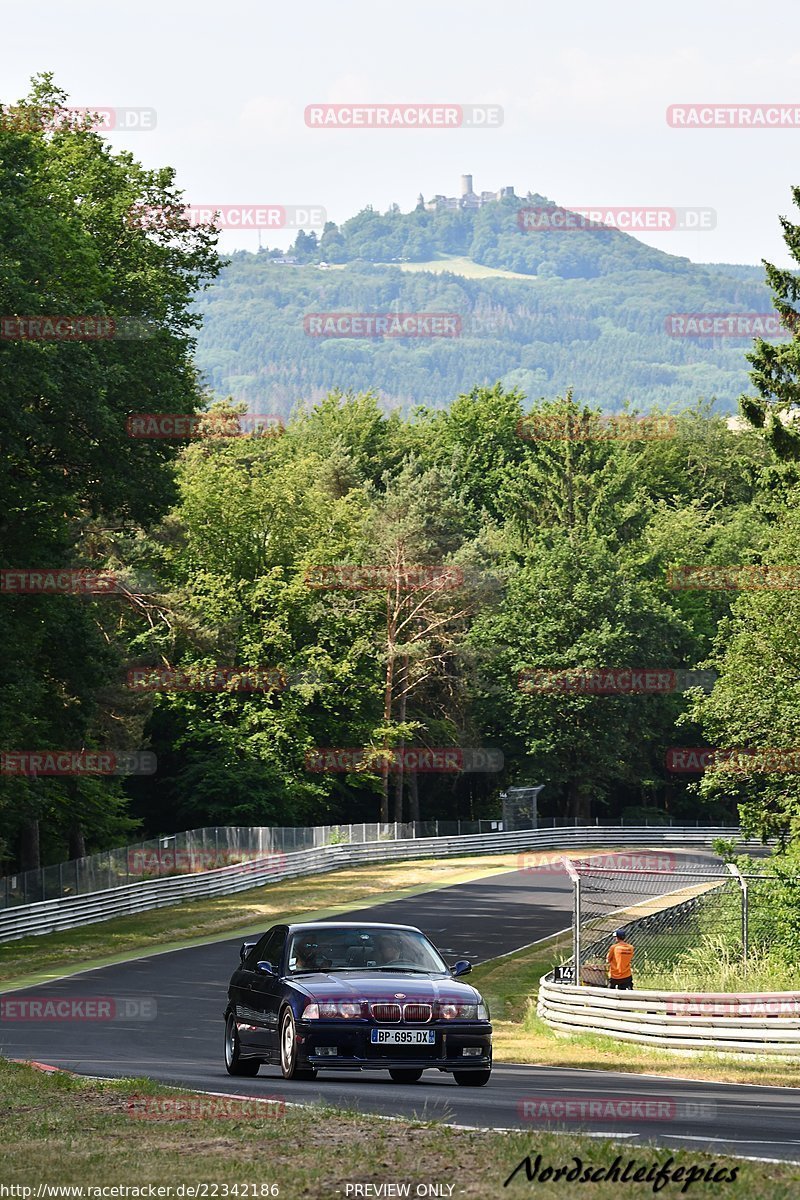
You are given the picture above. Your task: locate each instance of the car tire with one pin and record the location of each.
(405, 1074)
(288, 1050)
(234, 1063)
(472, 1078)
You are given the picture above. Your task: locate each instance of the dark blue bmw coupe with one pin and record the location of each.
(353, 997)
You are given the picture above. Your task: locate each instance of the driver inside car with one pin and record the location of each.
(308, 959)
(391, 950)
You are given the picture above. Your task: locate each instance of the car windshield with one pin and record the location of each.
(362, 948)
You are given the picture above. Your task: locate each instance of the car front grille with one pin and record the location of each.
(410, 1012)
(386, 1012)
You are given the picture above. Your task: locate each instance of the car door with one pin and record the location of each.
(242, 996)
(264, 992)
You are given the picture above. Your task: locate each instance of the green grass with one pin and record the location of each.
(64, 1130)
(460, 265)
(715, 965)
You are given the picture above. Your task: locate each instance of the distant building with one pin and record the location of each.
(468, 198)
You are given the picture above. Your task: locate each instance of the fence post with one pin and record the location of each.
(736, 873)
(576, 918)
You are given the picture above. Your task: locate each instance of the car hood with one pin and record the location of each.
(362, 985)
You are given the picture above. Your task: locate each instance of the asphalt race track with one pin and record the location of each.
(174, 1034)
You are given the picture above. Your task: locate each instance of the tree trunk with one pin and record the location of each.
(413, 796)
(29, 859)
(387, 716)
(77, 842)
(578, 803)
(399, 778)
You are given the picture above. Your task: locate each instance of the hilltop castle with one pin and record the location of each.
(468, 198)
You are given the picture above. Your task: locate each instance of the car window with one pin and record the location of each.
(324, 949)
(256, 954)
(272, 951)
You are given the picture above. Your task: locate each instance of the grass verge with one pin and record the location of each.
(161, 929)
(63, 1130)
(510, 986)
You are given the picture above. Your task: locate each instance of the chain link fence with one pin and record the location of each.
(221, 846)
(669, 909)
(205, 850)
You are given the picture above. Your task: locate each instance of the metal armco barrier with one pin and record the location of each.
(757, 1023)
(70, 912)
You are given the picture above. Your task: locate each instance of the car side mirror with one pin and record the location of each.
(245, 949)
(462, 967)
(265, 968)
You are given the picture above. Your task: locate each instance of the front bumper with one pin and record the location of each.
(355, 1051)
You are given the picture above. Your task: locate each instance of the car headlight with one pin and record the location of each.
(331, 1008)
(464, 1012)
(459, 1012)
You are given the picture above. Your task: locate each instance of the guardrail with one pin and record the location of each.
(753, 1023)
(69, 912)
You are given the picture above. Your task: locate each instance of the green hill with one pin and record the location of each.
(540, 310)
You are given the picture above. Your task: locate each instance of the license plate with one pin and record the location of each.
(403, 1037)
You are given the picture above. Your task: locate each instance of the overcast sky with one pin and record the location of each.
(584, 88)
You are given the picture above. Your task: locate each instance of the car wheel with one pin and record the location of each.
(405, 1074)
(472, 1078)
(289, 1067)
(234, 1063)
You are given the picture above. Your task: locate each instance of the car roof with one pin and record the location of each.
(323, 925)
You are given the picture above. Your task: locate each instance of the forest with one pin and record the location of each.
(356, 614)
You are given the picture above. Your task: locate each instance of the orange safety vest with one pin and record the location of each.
(619, 960)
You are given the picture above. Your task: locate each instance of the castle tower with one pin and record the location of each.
(466, 185)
